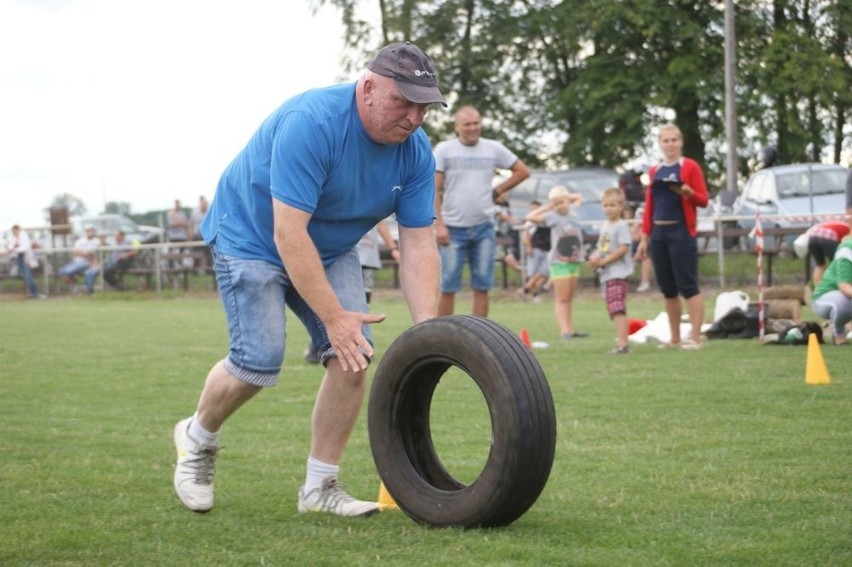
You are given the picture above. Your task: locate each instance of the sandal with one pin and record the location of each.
(667, 345)
(689, 344)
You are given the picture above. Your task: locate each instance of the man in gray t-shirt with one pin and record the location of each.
(465, 207)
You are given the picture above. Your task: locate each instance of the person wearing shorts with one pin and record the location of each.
(614, 263)
(669, 234)
(465, 205)
(566, 253)
(536, 243)
(283, 227)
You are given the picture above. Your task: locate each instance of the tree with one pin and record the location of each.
(798, 76)
(118, 208)
(569, 83)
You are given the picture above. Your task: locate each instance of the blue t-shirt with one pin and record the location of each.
(313, 154)
(667, 204)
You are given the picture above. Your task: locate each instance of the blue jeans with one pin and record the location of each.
(254, 294)
(76, 266)
(476, 244)
(27, 273)
(835, 307)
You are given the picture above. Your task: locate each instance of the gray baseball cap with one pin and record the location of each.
(411, 70)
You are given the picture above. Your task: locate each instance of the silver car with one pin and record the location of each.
(794, 191)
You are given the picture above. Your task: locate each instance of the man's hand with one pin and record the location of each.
(344, 332)
(442, 234)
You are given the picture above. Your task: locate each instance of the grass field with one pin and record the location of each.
(718, 457)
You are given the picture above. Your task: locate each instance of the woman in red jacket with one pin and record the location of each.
(669, 229)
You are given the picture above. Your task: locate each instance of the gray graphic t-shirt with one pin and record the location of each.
(566, 237)
(613, 235)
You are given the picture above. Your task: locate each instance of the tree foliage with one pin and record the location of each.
(571, 83)
(117, 208)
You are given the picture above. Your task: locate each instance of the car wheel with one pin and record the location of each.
(520, 408)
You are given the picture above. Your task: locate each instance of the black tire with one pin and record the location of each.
(520, 405)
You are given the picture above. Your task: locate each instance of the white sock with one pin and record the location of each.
(201, 435)
(318, 471)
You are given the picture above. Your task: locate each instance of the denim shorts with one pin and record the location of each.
(254, 294)
(674, 253)
(538, 263)
(474, 244)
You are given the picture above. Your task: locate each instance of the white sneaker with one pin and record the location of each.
(194, 470)
(332, 499)
(644, 286)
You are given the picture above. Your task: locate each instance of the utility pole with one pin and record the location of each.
(730, 96)
(731, 161)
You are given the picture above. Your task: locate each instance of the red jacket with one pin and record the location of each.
(690, 174)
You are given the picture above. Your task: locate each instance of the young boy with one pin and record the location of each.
(614, 263)
(566, 253)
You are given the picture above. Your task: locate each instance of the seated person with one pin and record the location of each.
(832, 297)
(120, 258)
(85, 255)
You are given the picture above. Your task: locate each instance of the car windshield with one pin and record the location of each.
(821, 182)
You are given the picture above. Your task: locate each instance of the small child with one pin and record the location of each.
(614, 263)
(566, 253)
(536, 243)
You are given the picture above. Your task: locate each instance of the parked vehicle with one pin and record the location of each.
(795, 191)
(630, 182)
(107, 224)
(588, 181)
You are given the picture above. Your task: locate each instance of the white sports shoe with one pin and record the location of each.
(644, 286)
(194, 470)
(332, 499)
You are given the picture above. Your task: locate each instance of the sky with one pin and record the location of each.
(145, 101)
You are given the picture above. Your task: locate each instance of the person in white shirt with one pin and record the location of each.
(85, 255)
(22, 248)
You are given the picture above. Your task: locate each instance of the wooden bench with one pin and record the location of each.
(155, 266)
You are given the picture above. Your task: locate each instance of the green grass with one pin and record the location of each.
(718, 457)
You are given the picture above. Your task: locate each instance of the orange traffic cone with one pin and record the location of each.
(815, 371)
(385, 500)
(525, 338)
